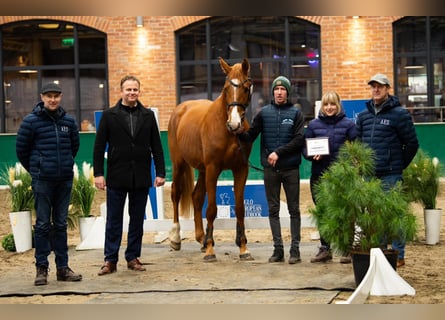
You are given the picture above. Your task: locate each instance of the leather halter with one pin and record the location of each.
(234, 103)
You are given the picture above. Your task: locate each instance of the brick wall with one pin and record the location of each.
(352, 50)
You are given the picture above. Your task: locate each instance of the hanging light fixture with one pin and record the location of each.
(414, 65)
(139, 21)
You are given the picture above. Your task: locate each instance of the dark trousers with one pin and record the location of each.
(290, 180)
(137, 201)
(389, 181)
(51, 201)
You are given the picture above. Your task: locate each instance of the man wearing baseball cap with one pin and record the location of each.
(50, 87)
(388, 129)
(46, 145)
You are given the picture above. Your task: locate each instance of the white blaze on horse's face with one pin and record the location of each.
(235, 119)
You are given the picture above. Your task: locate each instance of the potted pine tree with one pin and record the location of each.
(354, 213)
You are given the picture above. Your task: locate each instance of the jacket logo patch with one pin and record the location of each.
(288, 122)
(385, 122)
(64, 129)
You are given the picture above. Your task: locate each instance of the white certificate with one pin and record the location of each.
(318, 146)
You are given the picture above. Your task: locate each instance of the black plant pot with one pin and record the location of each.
(360, 262)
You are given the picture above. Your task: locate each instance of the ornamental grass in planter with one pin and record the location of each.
(421, 182)
(21, 199)
(82, 194)
(353, 211)
(19, 182)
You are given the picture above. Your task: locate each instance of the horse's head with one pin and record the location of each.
(237, 93)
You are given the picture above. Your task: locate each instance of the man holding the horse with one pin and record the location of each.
(130, 132)
(281, 125)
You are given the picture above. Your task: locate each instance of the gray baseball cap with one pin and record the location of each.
(380, 78)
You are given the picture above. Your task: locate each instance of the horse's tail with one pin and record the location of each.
(187, 186)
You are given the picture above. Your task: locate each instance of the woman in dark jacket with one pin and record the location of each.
(333, 124)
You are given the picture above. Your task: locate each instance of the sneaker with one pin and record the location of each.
(277, 256)
(66, 274)
(41, 276)
(323, 255)
(294, 256)
(345, 259)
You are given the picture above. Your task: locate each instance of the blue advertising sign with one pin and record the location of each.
(255, 202)
(353, 107)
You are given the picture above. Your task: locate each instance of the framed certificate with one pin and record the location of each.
(316, 146)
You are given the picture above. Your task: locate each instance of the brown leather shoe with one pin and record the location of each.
(107, 268)
(135, 265)
(400, 263)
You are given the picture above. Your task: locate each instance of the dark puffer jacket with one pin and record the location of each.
(338, 129)
(47, 144)
(390, 133)
(282, 131)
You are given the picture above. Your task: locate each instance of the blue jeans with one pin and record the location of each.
(51, 201)
(390, 181)
(137, 201)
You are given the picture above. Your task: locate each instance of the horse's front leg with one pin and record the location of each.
(198, 197)
(209, 243)
(240, 179)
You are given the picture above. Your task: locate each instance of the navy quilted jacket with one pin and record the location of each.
(282, 131)
(391, 133)
(47, 144)
(338, 129)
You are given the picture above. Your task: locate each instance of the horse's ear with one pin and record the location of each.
(224, 66)
(246, 66)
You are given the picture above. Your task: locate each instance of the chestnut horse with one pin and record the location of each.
(202, 135)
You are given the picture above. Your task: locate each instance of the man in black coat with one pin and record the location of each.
(131, 134)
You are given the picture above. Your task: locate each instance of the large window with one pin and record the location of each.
(274, 46)
(419, 55)
(38, 51)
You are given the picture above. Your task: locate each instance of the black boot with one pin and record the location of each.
(294, 256)
(277, 256)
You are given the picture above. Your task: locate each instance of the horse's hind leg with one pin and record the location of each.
(175, 231)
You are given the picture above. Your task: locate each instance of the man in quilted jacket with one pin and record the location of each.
(47, 143)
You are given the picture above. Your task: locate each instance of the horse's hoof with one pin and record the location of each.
(175, 245)
(246, 257)
(203, 249)
(210, 258)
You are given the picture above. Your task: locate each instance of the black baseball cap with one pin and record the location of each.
(50, 87)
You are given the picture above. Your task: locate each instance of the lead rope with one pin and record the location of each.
(240, 147)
